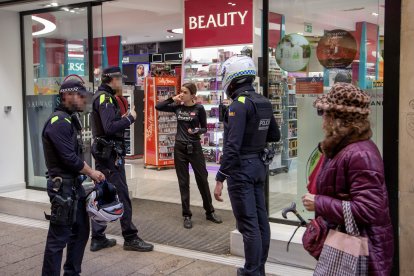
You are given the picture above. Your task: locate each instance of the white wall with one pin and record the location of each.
(11, 124)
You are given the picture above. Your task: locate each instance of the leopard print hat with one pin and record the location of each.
(345, 98)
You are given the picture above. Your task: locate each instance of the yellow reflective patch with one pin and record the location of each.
(110, 100)
(242, 99)
(232, 113)
(54, 119)
(102, 99)
(68, 120)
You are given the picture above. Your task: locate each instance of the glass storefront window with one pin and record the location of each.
(55, 46)
(311, 46)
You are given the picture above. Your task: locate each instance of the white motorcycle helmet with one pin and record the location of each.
(103, 204)
(237, 68)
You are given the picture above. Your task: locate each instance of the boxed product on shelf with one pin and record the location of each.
(214, 112)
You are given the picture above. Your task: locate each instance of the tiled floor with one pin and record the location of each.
(163, 186)
(22, 248)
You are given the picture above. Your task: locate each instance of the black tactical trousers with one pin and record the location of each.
(116, 176)
(74, 237)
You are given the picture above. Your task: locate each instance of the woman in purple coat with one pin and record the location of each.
(353, 171)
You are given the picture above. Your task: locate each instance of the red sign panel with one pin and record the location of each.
(150, 123)
(309, 85)
(218, 22)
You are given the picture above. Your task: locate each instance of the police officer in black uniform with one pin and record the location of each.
(249, 125)
(69, 222)
(108, 149)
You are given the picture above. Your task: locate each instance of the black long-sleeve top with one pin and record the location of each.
(188, 117)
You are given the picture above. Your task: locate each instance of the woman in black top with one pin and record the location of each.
(191, 123)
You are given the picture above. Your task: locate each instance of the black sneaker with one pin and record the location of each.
(97, 245)
(188, 224)
(214, 218)
(240, 272)
(139, 245)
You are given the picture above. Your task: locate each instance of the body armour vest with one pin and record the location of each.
(97, 128)
(257, 126)
(53, 162)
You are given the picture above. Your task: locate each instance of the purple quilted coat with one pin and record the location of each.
(357, 174)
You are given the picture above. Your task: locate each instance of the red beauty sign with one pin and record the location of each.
(218, 22)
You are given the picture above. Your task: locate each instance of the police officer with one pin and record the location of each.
(69, 222)
(108, 149)
(249, 124)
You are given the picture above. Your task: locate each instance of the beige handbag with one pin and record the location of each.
(344, 254)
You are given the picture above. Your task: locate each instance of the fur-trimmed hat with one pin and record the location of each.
(345, 98)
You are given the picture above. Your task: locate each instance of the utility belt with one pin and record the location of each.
(266, 156)
(249, 156)
(104, 148)
(65, 199)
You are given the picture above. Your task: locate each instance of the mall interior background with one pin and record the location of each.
(131, 28)
(147, 23)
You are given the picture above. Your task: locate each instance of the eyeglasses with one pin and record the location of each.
(320, 112)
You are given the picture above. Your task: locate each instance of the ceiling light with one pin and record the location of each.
(176, 31)
(300, 33)
(72, 11)
(169, 36)
(54, 4)
(233, 4)
(49, 26)
(75, 46)
(65, 9)
(375, 14)
(123, 42)
(230, 3)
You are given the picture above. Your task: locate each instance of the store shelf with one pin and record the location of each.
(201, 63)
(209, 106)
(212, 147)
(209, 91)
(170, 121)
(292, 138)
(201, 78)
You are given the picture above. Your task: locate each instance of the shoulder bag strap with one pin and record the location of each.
(350, 224)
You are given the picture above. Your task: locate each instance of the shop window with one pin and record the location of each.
(312, 45)
(55, 46)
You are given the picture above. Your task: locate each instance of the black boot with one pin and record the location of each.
(139, 245)
(240, 272)
(188, 224)
(214, 218)
(97, 245)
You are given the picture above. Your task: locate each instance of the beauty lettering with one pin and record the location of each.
(217, 20)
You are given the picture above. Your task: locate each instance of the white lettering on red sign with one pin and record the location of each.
(217, 20)
(164, 81)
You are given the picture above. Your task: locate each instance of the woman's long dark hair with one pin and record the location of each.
(191, 87)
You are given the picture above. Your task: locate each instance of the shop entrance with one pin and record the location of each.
(307, 48)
